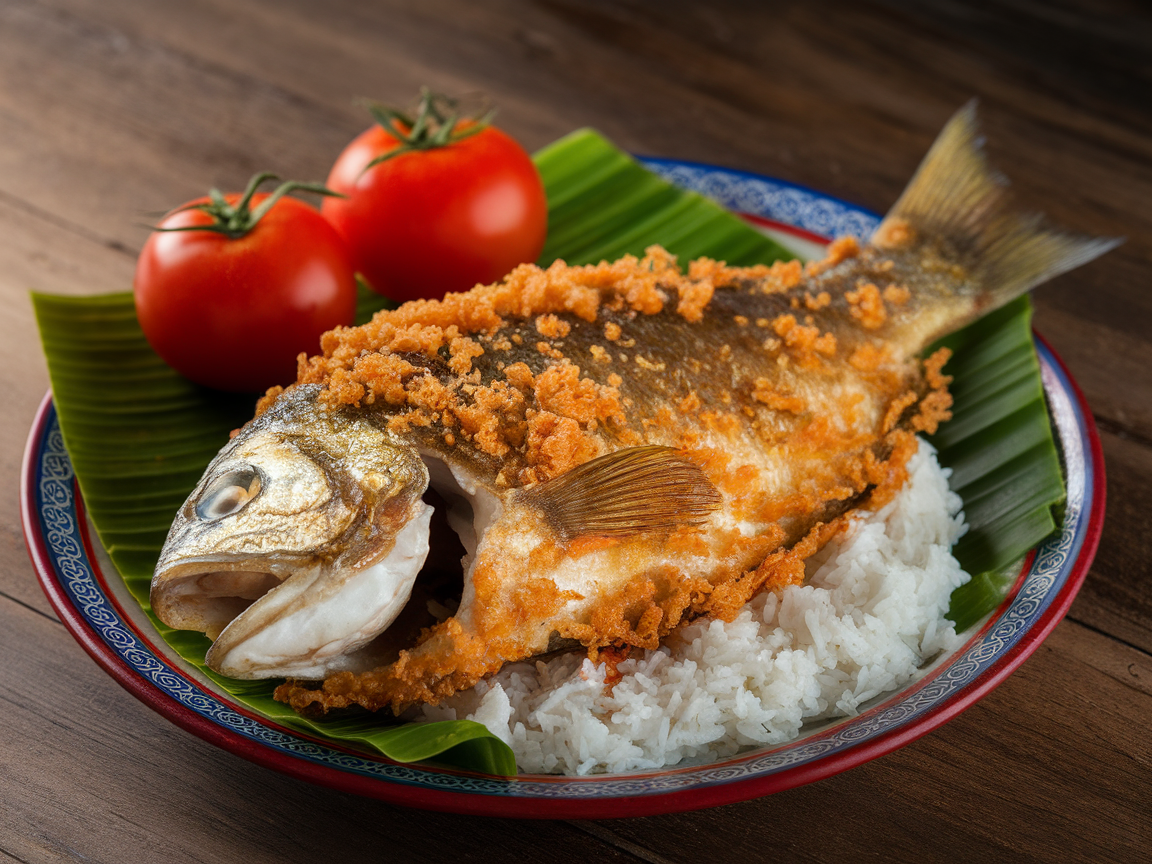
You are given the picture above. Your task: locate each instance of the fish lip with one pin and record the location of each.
(202, 564)
(165, 593)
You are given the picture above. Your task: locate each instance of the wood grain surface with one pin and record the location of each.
(112, 111)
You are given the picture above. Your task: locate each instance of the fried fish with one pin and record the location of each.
(622, 447)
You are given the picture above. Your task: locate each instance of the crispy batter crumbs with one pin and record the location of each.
(426, 326)
(894, 233)
(741, 320)
(640, 614)
(778, 570)
(270, 396)
(560, 389)
(867, 306)
(839, 250)
(776, 278)
(462, 350)
(556, 445)
(803, 341)
(599, 354)
(519, 376)
(933, 366)
(818, 302)
(549, 351)
(774, 399)
(896, 409)
(552, 327)
(722, 422)
(897, 295)
(645, 363)
(869, 357)
(690, 403)
(694, 296)
(612, 657)
(549, 419)
(935, 407)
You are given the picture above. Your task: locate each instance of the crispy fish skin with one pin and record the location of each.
(641, 446)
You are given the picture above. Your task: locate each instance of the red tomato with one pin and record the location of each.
(234, 313)
(426, 222)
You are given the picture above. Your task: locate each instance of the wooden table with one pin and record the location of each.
(112, 111)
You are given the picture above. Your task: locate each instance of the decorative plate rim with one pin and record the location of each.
(64, 565)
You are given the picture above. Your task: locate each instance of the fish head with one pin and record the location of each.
(301, 503)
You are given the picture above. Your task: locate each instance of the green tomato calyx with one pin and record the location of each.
(236, 220)
(436, 123)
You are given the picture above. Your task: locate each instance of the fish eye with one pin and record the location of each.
(228, 494)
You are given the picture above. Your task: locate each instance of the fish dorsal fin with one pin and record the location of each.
(957, 196)
(635, 490)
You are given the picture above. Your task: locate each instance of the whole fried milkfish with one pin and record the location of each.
(623, 447)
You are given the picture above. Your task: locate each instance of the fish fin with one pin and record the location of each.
(956, 197)
(632, 491)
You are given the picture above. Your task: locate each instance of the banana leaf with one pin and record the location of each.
(139, 435)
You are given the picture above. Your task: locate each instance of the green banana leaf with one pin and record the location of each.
(139, 435)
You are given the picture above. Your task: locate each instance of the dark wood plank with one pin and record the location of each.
(37, 251)
(89, 773)
(1110, 366)
(1117, 595)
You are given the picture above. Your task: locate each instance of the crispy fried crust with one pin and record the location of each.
(814, 418)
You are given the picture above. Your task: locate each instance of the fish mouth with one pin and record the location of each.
(303, 618)
(208, 595)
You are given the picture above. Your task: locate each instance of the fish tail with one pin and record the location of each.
(959, 202)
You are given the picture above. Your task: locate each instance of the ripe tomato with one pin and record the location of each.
(436, 217)
(233, 313)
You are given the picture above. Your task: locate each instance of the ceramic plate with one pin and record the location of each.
(91, 601)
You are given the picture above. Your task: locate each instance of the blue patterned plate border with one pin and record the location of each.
(139, 660)
(796, 209)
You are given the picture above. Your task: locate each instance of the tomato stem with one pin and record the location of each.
(436, 124)
(236, 220)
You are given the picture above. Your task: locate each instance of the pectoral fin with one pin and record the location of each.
(632, 491)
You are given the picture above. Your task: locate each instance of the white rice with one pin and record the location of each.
(865, 621)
